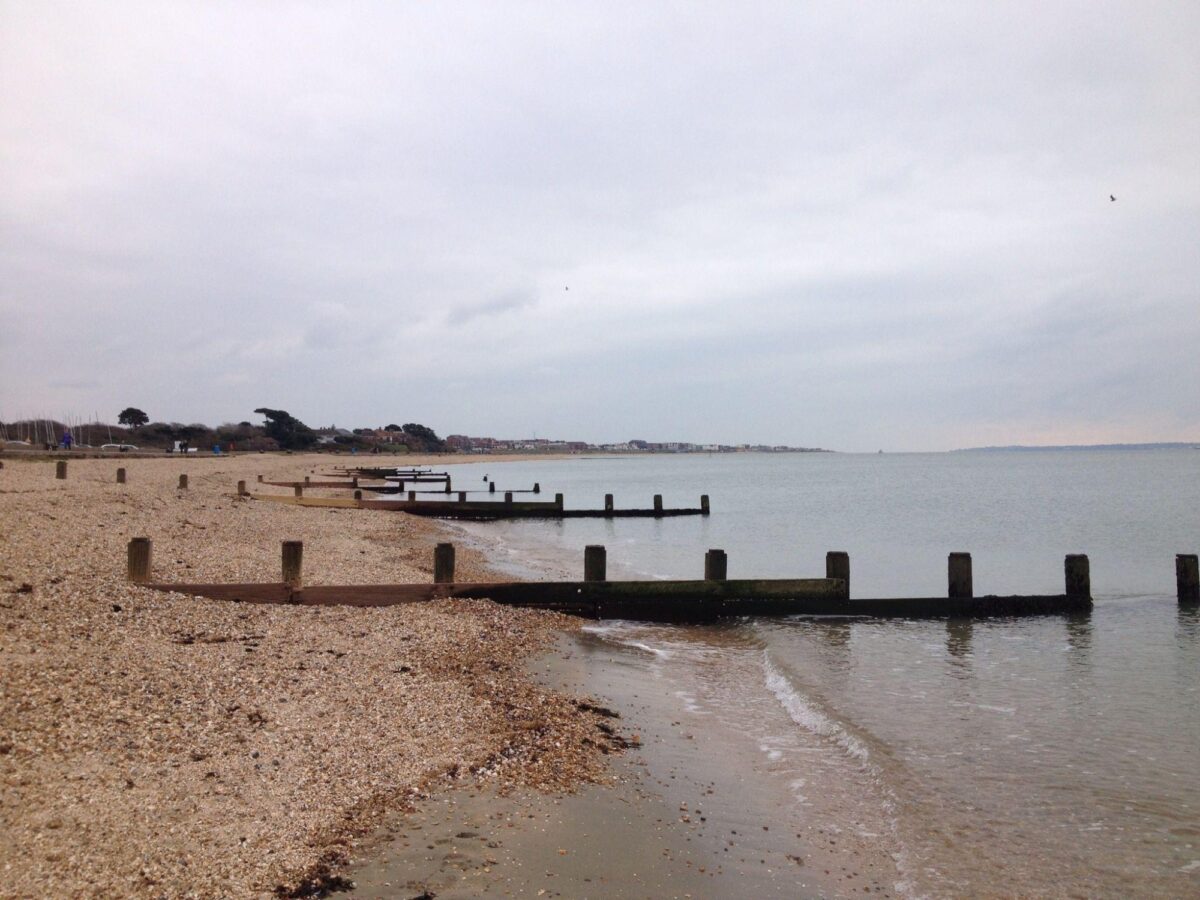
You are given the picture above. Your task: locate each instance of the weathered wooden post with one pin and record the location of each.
(704, 504)
(537, 487)
(183, 482)
(837, 565)
(447, 484)
(299, 490)
(354, 481)
(400, 487)
(241, 489)
(608, 504)
(657, 505)
(358, 495)
(715, 565)
(959, 576)
(491, 487)
(307, 480)
(139, 559)
(558, 500)
(293, 563)
(120, 476)
(462, 496)
(1078, 577)
(1187, 578)
(594, 563)
(508, 498)
(412, 496)
(443, 564)
(60, 470)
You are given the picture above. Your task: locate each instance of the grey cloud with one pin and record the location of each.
(881, 227)
(505, 303)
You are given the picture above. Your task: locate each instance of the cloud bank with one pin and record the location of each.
(886, 226)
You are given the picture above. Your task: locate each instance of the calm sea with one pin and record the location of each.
(1051, 756)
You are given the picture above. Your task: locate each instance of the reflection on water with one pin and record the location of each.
(958, 639)
(1079, 637)
(1189, 622)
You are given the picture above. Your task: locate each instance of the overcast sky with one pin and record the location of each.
(855, 226)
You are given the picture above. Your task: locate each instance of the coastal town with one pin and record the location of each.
(133, 431)
(461, 443)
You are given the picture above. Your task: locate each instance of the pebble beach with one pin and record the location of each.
(161, 745)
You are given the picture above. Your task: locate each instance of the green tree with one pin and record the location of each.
(286, 429)
(425, 438)
(133, 417)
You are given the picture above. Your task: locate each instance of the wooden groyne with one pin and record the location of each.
(701, 600)
(478, 510)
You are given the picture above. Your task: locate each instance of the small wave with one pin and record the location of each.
(804, 714)
(807, 716)
(613, 634)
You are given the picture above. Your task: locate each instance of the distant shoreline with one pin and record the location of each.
(1174, 445)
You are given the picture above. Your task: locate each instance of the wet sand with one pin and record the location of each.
(689, 814)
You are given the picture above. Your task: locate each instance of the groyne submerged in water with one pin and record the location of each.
(712, 597)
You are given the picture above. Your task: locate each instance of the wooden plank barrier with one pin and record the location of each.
(478, 510)
(293, 563)
(660, 601)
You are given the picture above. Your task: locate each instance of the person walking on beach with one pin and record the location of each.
(67, 440)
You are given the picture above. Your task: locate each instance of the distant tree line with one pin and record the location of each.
(280, 430)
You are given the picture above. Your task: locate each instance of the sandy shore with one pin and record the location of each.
(158, 745)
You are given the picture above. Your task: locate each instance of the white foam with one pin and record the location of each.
(690, 704)
(807, 716)
(614, 633)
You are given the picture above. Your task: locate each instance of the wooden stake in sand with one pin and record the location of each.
(443, 564)
(60, 470)
(293, 562)
(120, 476)
(139, 559)
(183, 482)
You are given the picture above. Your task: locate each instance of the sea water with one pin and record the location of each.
(1055, 755)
